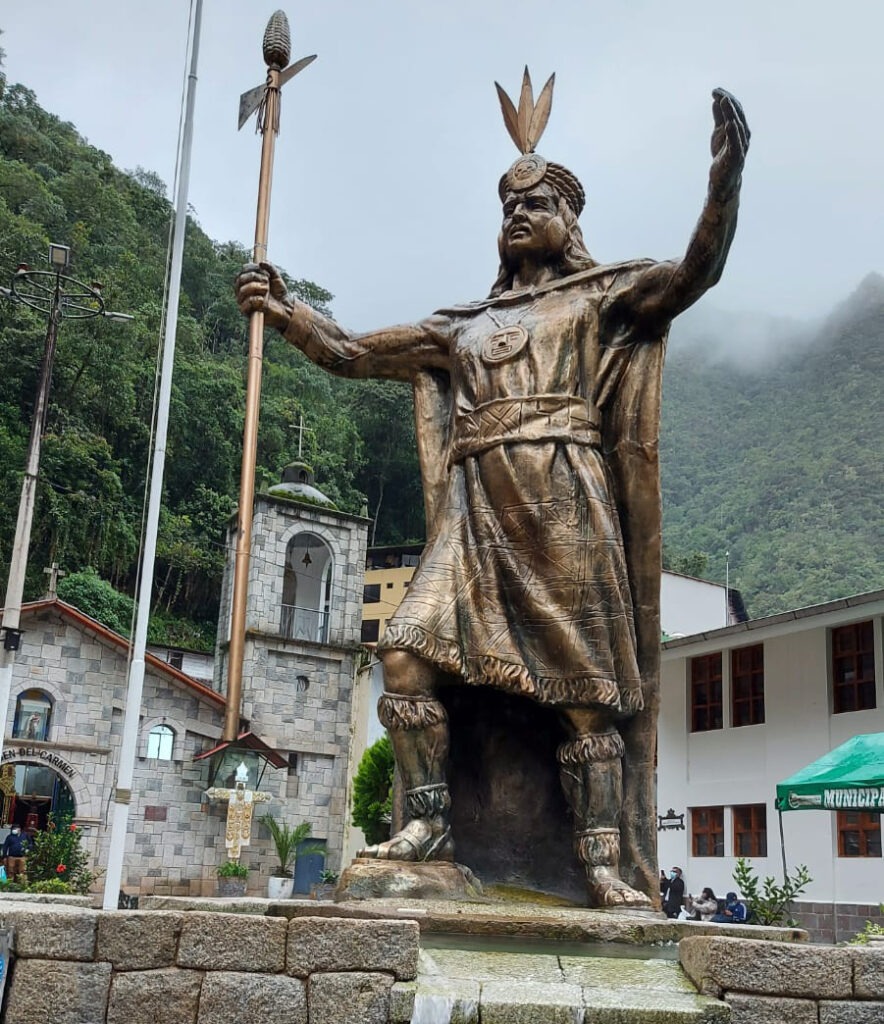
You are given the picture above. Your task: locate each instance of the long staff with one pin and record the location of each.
(265, 99)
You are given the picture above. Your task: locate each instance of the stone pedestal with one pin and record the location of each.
(367, 879)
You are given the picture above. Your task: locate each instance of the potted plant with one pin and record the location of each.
(286, 840)
(232, 878)
(325, 887)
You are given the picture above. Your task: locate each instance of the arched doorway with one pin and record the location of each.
(31, 792)
(306, 588)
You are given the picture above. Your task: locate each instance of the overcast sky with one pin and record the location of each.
(392, 143)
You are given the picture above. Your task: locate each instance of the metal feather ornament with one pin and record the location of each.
(526, 125)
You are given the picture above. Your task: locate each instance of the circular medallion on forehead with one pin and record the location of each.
(526, 172)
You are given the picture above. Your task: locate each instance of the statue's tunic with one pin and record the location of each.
(524, 585)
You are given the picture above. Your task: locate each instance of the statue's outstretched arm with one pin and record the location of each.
(393, 352)
(667, 289)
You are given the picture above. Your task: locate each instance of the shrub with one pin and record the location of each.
(373, 791)
(95, 597)
(871, 928)
(767, 902)
(57, 855)
(51, 885)
(232, 869)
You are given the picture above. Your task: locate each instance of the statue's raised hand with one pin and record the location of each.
(730, 143)
(260, 287)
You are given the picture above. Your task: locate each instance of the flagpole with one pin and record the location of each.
(264, 99)
(128, 746)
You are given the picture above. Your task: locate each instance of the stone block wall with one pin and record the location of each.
(75, 966)
(788, 983)
(174, 843)
(835, 922)
(297, 693)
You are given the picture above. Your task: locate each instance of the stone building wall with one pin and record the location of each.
(174, 840)
(835, 922)
(308, 722)
(202, 968)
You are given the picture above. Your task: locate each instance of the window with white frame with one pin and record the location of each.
(160, 742)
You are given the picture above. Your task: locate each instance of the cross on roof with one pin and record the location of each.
(54, 574)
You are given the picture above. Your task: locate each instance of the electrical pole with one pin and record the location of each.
(61, 297)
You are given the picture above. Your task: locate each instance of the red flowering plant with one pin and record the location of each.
(57, 857)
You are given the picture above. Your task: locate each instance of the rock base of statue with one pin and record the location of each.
(367, 879)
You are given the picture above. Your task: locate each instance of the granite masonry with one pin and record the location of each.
(303, 622)
(74, 966)
(71, 965)
(79, 668)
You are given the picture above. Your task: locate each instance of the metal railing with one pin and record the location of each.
(304, 624)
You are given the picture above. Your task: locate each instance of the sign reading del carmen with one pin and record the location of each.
(531, 628)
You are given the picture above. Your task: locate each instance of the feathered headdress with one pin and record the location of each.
(525, 127)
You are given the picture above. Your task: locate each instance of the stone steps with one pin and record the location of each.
(469, 986)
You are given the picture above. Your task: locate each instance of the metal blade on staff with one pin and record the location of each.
(265, 100)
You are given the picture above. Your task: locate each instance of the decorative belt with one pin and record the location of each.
(539, 418)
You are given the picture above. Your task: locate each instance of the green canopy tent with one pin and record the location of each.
(850, 777)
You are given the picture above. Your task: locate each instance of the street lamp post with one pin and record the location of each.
(61, 297)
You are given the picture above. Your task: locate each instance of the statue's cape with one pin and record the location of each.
(630, 440)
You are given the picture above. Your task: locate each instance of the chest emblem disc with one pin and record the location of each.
(504, 344)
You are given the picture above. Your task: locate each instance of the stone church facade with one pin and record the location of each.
(67, 704)
(72, 671)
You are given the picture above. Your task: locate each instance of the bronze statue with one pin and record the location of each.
(537, 414)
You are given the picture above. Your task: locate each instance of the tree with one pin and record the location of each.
(96, 598)
(373, 791)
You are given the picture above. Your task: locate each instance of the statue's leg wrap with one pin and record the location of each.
(418, 728)
(591, 772)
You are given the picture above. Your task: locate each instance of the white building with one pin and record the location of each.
(746, 706)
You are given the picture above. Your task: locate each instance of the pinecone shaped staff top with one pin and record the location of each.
(277, 41)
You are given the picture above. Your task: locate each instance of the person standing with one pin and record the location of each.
(674, 894)
(14, 851)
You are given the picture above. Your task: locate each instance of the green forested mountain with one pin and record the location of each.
(779, 459)
(778, 462)
(56, 187)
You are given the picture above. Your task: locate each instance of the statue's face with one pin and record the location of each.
(526, 218)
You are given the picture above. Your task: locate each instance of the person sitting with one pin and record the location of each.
(674, 894)
(734, 911)
(703, 907)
